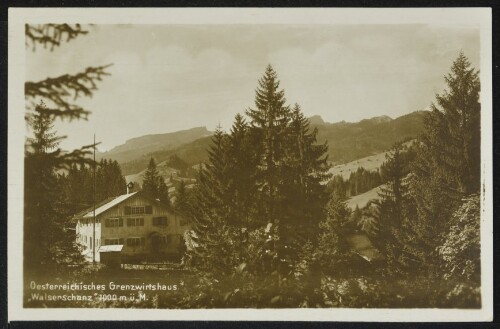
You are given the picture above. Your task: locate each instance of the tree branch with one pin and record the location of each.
(57, 90)
(51, 34)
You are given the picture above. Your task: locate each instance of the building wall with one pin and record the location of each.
(84, 232)
(173, 231)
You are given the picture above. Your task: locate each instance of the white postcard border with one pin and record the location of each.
(16, 134)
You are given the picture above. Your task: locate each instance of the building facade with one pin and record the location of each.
(144, 228)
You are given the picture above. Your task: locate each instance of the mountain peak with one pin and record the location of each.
(139, 146)
(380, 119)
(316, 120)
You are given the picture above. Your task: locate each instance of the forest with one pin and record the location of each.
(270, 227)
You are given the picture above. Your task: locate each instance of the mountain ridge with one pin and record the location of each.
(142, 145)
(347, 141)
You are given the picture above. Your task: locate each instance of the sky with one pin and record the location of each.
(167, 78)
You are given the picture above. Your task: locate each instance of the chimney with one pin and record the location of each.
(130, 187)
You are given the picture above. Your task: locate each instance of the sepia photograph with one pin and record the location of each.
(185, 160)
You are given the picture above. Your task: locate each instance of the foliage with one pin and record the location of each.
(154, 185)
(447, 164)
(46, 239)
(56, 91)
(332, 251)
(461, 248)
(78, 184)
(359, 181)
(461, 251)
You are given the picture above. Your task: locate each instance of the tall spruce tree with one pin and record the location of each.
(46, 221)
(448, 160)
(153, 184)
(212, 234)
(242, 170)
(269, 122)
(396, 209)
(290, 170)
(307, 168)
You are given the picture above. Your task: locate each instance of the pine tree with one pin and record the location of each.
(214, 238)
(45, 240)
(332, 251)
(396, 210)
(153, 184)
(269, 122)
(109, 180)
(181, 198)
(307, 168)
(448, 160)
(241, 174)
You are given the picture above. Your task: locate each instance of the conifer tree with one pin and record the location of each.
(241, 173)
(154, 185)
(269, 123)
(213, 237)
(448, 160)
(395, 210)
(45, 218)
(182, 199)
(307, 168)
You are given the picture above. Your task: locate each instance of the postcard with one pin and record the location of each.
(300, 164)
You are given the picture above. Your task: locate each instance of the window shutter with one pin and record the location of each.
(149, 210)
(128, 210)
(143, 241)
(107, 222)
(121, 221)
(141, 222)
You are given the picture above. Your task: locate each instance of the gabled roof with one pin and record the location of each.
(112, 202)
(104, 206)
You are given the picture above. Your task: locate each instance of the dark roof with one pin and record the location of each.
(111, 202)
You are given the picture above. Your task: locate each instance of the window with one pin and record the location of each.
(134, 242)
(114, 222)
(112, 242)
(138, 210)
(160, 221)
(135, 221)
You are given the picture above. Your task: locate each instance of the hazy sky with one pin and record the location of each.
(172, 77)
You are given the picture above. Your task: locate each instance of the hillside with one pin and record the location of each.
(362, 199)
(365, 141)
(192, 153)
(370, 163)
(138, 147)
(351, 141)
